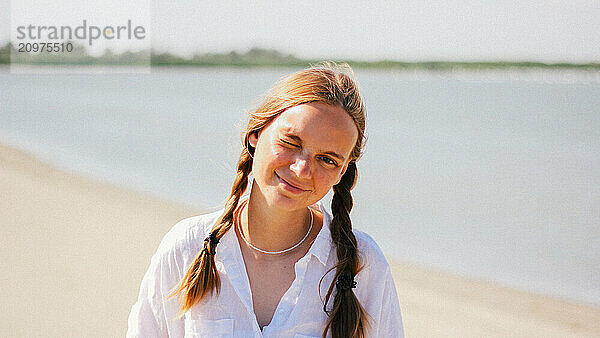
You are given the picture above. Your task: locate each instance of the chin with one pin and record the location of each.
(284, 202)
(279, 199)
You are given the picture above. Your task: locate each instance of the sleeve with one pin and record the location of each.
(155, 313)
(389, 323)
(376, 290)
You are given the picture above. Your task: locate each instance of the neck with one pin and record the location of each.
(270, 228)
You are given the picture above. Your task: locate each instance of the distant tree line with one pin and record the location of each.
(255, 57)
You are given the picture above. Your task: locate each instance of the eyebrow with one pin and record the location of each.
(299, 140)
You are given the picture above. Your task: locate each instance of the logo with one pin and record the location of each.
(88, 33)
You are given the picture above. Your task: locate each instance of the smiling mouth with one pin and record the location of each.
(290, 186)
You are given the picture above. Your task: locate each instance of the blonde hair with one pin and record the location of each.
(327, 83)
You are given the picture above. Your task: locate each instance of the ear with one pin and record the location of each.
(253, 139)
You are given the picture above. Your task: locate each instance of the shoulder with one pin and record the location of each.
(371, 256)
(187, 236)
(376, 289)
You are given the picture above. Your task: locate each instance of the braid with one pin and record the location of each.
(347, 317)
(336, 86)
(202, 276)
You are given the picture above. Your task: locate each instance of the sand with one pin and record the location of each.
(74, 250)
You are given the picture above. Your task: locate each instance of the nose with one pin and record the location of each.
(301, 167)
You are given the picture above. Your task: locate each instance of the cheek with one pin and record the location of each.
(275, 150)
(272, 156)
(327, 179)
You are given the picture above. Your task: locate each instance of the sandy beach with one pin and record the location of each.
(74, 251)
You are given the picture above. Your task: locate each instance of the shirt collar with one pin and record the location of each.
(229, 260)
(321, 247)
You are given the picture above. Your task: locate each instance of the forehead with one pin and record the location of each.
(320, 125)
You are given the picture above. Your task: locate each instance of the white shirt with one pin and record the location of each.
(300, 310)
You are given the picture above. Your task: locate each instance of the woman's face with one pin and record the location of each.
(302, 153)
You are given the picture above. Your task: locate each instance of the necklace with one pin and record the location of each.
(239, 223)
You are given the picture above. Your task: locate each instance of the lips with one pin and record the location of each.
(293, 187)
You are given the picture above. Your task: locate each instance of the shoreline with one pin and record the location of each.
(76, 255)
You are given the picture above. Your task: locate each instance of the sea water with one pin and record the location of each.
(494, 175)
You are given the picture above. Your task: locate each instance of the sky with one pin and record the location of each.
(547, 31)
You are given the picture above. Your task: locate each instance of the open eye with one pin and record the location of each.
(328, 160)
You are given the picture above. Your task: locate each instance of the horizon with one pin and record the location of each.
(508, 31)
(108, 52)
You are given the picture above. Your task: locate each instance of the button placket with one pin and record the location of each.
(236, 273)
(286, 306)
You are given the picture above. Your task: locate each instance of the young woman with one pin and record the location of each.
(276, 263)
